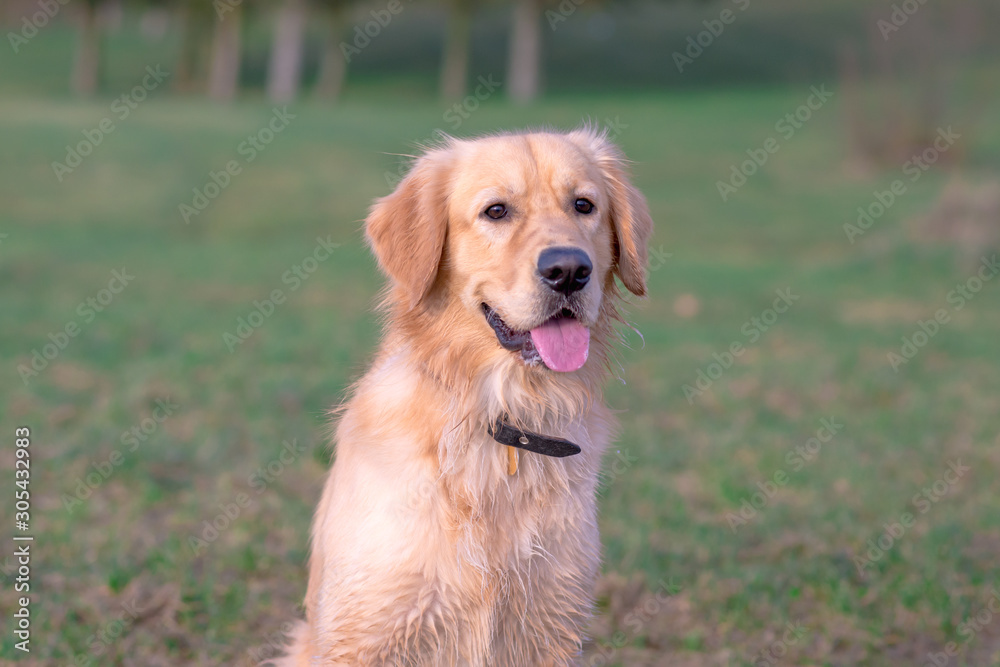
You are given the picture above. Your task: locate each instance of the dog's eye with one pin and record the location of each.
(584, 205)
(496, 212)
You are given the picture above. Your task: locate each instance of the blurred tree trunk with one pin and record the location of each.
(523, 70)
(224, 66)
(332, 64)
(188, 70)
(87, 61)
(455, 63)
(285, 71)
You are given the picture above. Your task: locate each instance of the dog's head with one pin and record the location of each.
(526, 232)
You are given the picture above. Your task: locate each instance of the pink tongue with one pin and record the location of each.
(563, 344)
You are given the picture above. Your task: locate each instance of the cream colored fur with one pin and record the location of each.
(424, 550)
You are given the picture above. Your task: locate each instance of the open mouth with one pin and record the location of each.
(562, 343)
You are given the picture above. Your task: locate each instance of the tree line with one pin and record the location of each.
(211, 35)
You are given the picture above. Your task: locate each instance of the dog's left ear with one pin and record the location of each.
(406, 229)
(630, 219)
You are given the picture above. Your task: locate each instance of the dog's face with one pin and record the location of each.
(526, 231)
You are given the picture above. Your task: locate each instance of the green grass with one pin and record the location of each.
(664, 515)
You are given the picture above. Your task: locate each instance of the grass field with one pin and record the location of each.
(120, 487)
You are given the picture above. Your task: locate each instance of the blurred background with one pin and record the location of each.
(808, 468)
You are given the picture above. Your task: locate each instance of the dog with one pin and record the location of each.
(458, 525)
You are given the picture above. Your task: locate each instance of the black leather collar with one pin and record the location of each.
(506, 434)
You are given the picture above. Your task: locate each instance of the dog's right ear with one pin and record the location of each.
(406, 229)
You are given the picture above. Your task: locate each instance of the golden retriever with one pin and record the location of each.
(436, 542)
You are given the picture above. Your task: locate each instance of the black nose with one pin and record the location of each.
(565, 270)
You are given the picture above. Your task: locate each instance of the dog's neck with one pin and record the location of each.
(478, 382)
